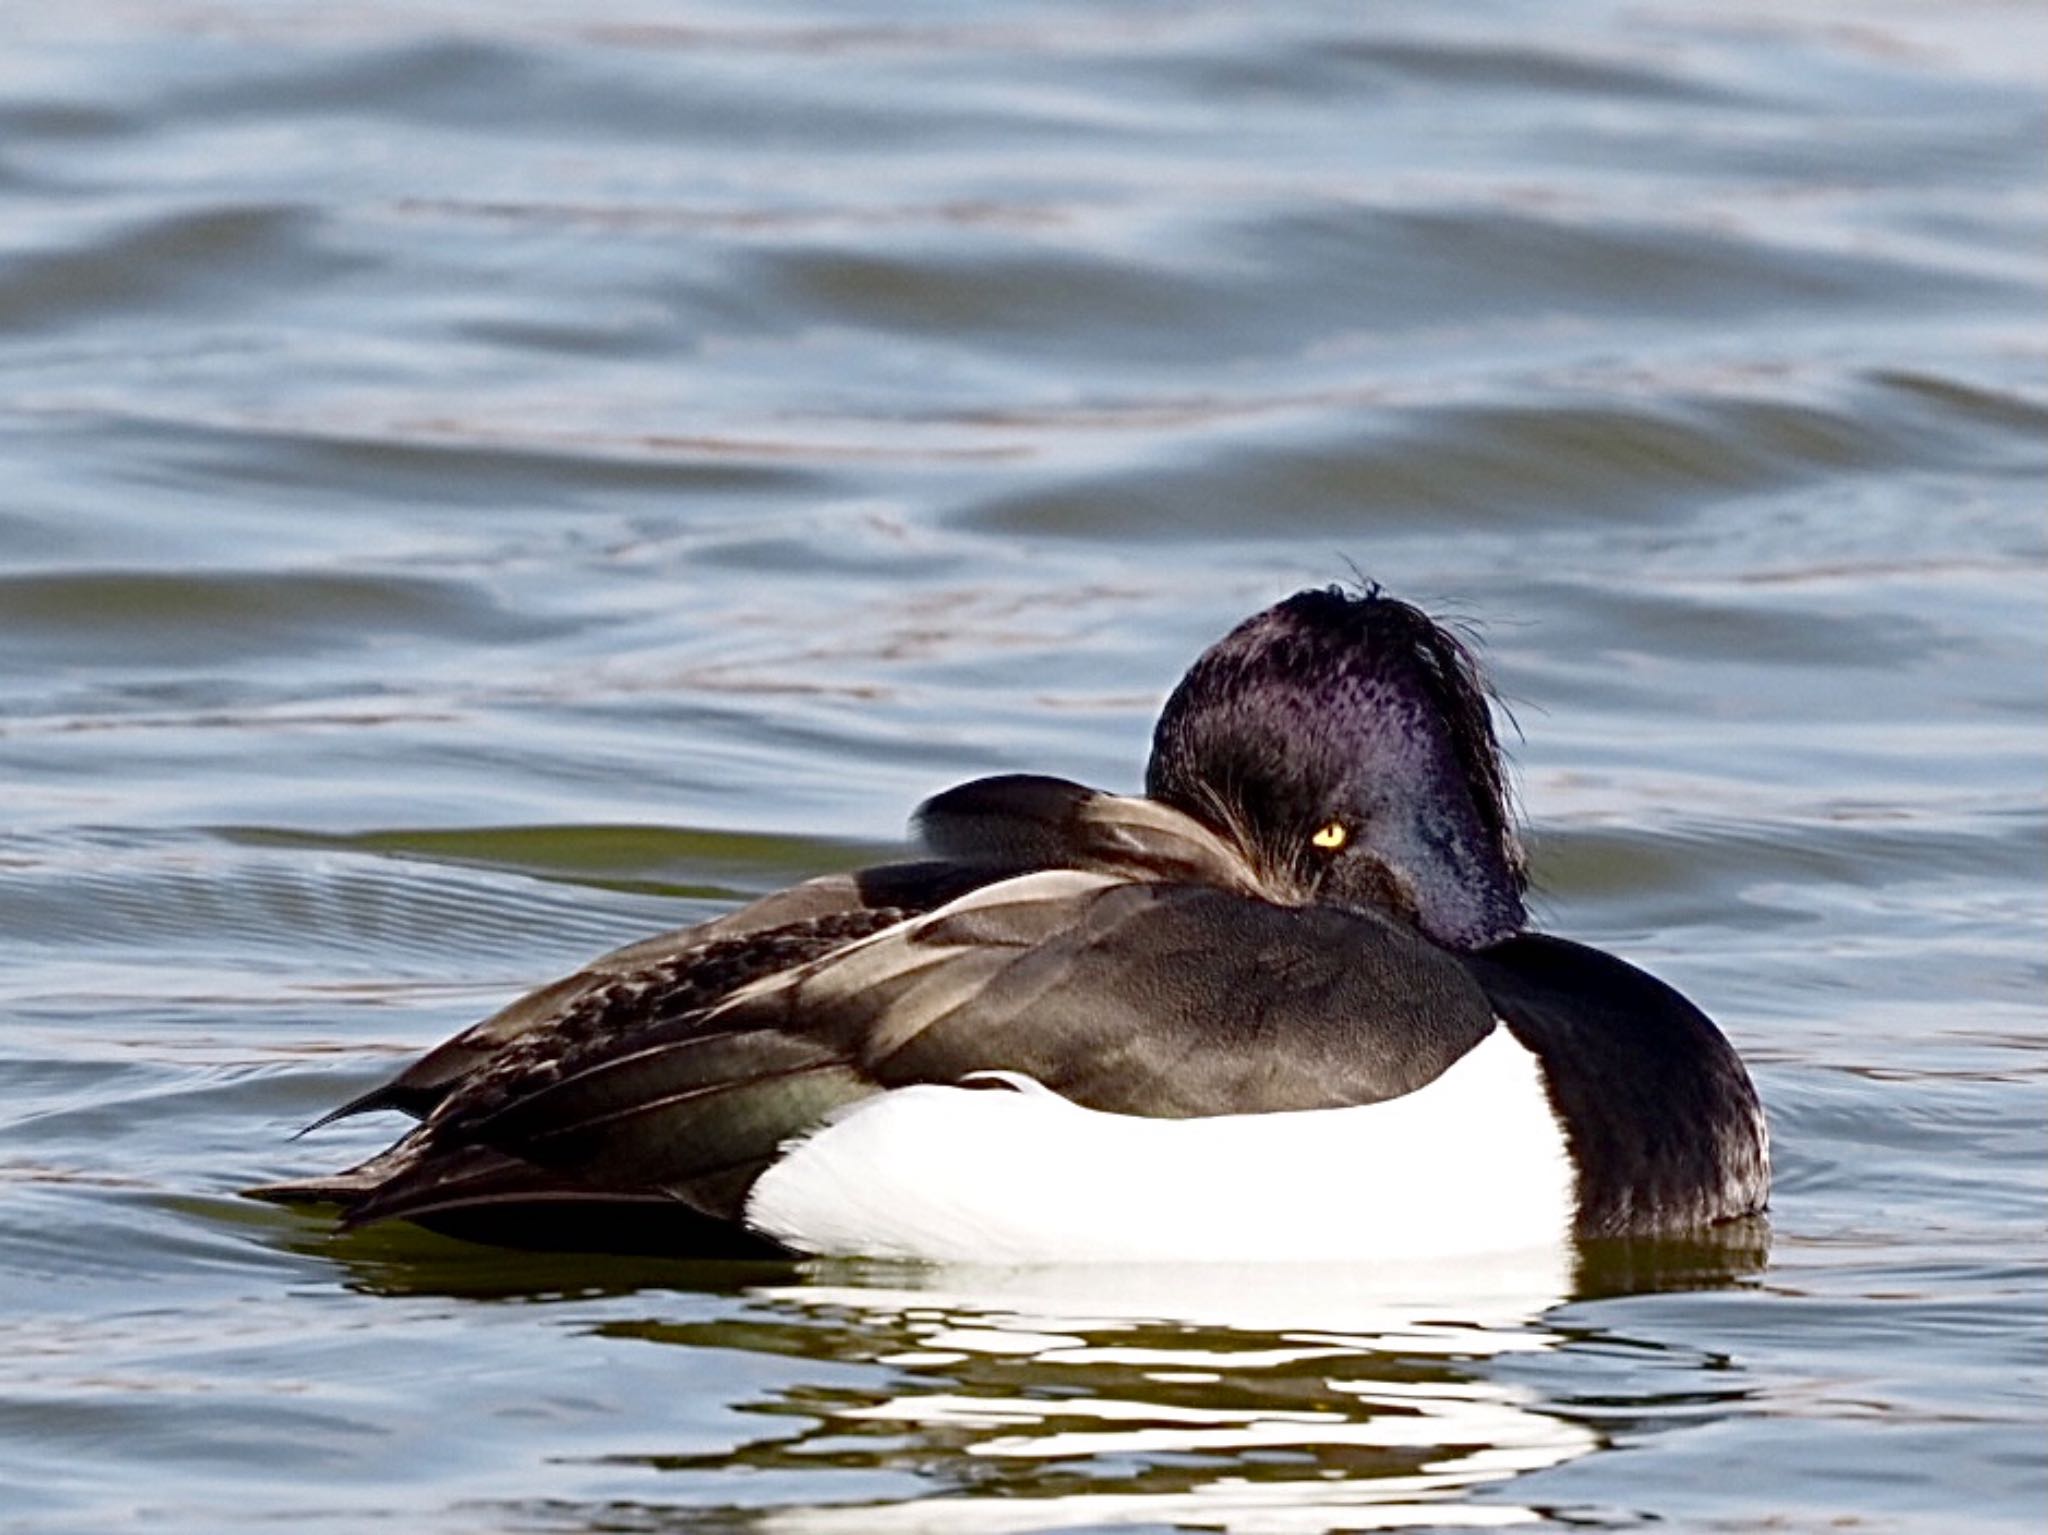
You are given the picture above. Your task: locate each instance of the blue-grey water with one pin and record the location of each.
(482, 482)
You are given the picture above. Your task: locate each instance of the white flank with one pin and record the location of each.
(1473, 1163)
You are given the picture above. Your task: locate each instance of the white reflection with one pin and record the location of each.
(1482, 1303)
(1097, 1338)
(1232, 1505)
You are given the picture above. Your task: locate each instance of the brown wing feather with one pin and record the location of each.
(1106, 991)
(671, 1072)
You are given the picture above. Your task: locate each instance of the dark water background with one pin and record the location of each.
(481, 482)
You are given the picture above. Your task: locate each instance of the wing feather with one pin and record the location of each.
(1163, 1000)
(1133, 968)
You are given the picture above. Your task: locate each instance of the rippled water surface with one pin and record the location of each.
(483, 482)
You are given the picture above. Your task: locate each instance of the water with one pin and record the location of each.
(485, 482)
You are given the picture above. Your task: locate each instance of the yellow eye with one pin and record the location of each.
(1332, 836)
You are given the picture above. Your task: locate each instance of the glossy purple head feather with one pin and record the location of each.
(1363, 714)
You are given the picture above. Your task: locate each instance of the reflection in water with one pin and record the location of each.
(485, 482)
(1255, 1398)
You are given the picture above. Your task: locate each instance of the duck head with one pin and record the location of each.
(1344, 744)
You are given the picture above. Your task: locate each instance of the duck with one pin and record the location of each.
(1286, 1004)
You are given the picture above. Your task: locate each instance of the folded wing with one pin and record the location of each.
(1134, 971)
